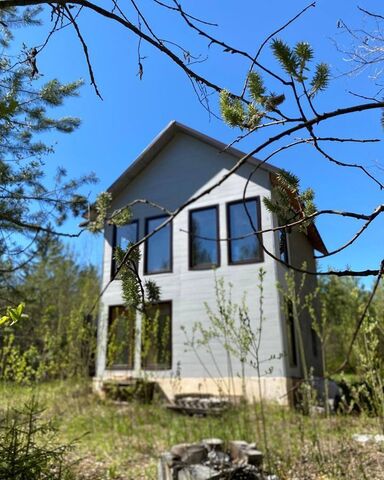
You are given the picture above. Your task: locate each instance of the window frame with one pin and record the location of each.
(283, 233)
(190, 240)
(121, 366)
(159, 367)
(114, 245)
(260, 257)
(145, 269)
(293, 353)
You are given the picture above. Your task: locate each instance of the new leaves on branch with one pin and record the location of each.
(288, 203)
(320, 80)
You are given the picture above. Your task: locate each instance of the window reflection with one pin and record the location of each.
(245, 246)
(203, 231)
(158, 247)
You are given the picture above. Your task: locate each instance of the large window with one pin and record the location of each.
(243, 244)
(123, 237)
(204, 250)
(121, 338)
(158, 248)
(156, 337)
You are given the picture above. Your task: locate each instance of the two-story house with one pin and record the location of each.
(211, 238)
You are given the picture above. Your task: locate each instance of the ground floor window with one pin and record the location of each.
(121, 338)
(156, 337)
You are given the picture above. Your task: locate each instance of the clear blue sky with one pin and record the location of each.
(114, 131)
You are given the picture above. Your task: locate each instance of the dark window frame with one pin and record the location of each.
(283, 242)
(121, 366)
(170, 363)
(147, 220)
(204, 266)
(293, 357)
(260, 257)
(114, 239)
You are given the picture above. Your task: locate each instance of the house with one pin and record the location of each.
(178, 165)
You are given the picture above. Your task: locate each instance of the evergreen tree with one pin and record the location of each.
(30, 207)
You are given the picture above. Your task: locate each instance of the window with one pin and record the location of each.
(121, 338)
(156, 338)
(204, 250)
(123, 237)
(158, 248)
(283, 245)
(244, 246)
(292, 351)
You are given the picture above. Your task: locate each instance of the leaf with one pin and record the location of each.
(320, 80)
(4, 319)
(254, 116)
(232, 109)
(304, 51)
(305, 54)
(255, 86)
(286, 56)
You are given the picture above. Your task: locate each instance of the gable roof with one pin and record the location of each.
(162, 140)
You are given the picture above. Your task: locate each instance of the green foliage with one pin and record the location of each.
(295, 62)
(288, 202)
(100, 207)
(256, 86)
(28, 446)
(135, 293)
(13, 315)
(57, 339)
(237, 112)
(232, 109)
(287, 57)
(320, 79)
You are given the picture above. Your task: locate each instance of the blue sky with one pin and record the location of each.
(114, 131)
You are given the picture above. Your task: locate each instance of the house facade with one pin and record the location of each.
(209, 241)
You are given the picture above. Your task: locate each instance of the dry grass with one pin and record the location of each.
(124, 441)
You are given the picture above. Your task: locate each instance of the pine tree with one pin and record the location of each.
(29, 209)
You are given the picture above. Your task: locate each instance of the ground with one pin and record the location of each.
(123, 442)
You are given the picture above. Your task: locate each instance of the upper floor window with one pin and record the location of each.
(243, 244)
(158, 248)
(123, 237)
(283, 245)
(156, 337)
(204, 251)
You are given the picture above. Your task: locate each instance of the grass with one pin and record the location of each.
(116, 441)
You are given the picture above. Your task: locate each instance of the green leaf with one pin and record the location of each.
(254, 116)
(286, 56)
(4, 319)
(320, 80)
(255, 86)
(232, 109)
(304, 51)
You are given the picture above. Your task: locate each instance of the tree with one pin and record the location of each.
(57, 338)
(30, 207)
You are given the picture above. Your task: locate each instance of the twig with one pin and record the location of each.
(85, 50)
